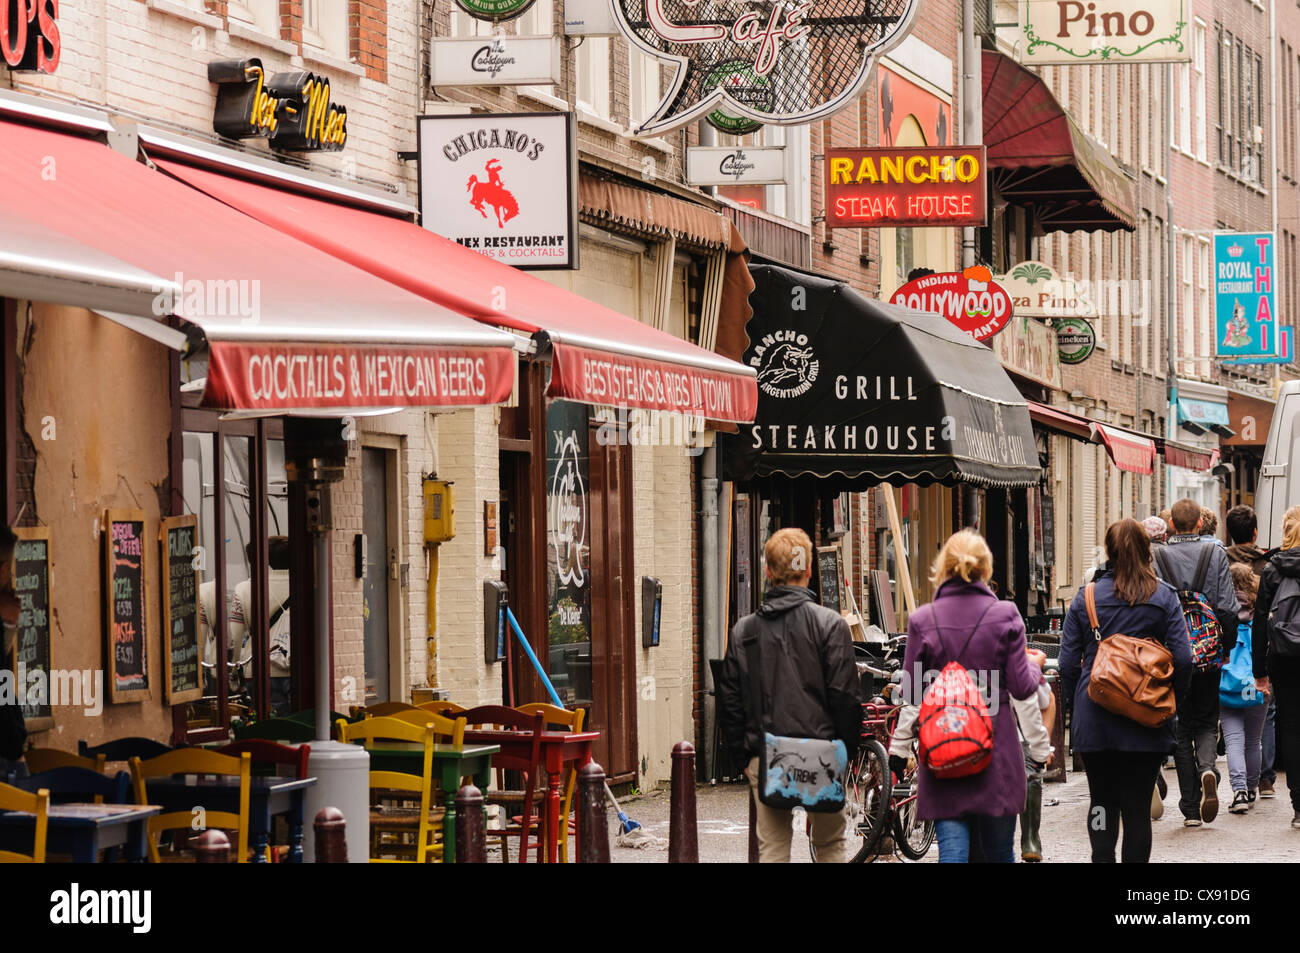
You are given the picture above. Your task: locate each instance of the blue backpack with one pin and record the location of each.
(1237, 681)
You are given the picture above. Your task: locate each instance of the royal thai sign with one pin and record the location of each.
(495, 61)
(735, 166)
(888, 187)
(1245, 316)
(970, 300)
(758, 61)
(291, 110)
(29, 34)
(1104, 31)
(502, 185)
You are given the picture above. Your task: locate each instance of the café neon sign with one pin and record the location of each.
(785, 62)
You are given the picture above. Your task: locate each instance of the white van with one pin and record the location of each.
(1279, 477)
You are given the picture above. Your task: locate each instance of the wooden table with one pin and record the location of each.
(267, 798)
(450, 764)
(558, 749)
(82, 830)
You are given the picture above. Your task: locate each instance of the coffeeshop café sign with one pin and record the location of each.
(1104, 31)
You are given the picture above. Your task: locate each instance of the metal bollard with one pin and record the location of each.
(593, 824)
(471, 841)
(331, 836)
(683, 837)
(211, 847)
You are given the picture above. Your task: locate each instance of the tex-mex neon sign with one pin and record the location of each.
(29, 34)
(764, 61)
(292, 110)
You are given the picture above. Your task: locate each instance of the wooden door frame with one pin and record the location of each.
(394, 520)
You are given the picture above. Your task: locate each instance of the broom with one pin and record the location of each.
(626, 826)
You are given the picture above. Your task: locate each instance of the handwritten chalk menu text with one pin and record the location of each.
(829, 575)
(124, 585)
(32, 647)
(180, 609)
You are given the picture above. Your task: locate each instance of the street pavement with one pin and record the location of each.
(1262, 835)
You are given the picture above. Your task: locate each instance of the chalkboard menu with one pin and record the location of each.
(125, 558)
(183, 680)
(32, 646)
(830, 577)
(1049, 530)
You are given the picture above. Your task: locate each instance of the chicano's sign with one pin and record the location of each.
(929, 186)
(969, 300)
(29, 34)
(292, 110)
(1104, 31)
(761, 61)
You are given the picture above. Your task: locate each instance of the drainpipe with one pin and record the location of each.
(1171, 285)
(711, 636)
(972, 134)
(1272, 152)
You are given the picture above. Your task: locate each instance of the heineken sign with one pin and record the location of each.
(754, 62)
(1104, 31)
(494, 9)
(1075, 340)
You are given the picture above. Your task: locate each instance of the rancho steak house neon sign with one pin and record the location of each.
(291, 110)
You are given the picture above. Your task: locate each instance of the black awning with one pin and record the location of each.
(865, 392)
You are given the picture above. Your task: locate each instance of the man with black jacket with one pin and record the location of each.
(808, 681)
(1198, 714)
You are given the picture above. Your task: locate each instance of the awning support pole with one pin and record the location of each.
(320, 546)
(900, 550)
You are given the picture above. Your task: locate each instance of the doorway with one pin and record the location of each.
(380, 589)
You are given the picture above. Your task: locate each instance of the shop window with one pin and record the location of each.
(262, 15)
(568, 563)
(325, 26)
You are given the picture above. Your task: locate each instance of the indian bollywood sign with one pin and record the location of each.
(29, 34)
(888, 187)
(292, 110)
(745, 63)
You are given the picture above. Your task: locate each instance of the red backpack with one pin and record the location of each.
(955, 732)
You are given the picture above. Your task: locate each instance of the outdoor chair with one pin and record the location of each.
(16, 799)
(572, 720)
(195, 761)
(523, 800)
(47, 759)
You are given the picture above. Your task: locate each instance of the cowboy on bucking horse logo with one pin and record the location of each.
(494, 193)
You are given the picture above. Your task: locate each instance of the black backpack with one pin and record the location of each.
(1284, 618)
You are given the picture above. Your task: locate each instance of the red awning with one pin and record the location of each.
(1189, 457)
(1129, 451)
(287, 327)
(1040, 157)
(599, 355)
(1061, 420)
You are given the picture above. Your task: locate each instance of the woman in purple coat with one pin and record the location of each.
(968, 624)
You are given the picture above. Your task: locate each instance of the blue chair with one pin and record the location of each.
(124, 749)
(79, 785)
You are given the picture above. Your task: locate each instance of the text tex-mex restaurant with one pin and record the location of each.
(182, 319)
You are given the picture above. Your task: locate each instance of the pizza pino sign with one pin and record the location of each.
(502, 185)
(970, 300)
(760, 61)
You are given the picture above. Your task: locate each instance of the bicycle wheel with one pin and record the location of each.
(913, 835)
(866, 799)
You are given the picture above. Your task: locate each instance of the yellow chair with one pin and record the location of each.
(380, 710)
(16, 799)
(426, 818)
(444, 727)
(40, 760)
(551, 715)
(195, 761)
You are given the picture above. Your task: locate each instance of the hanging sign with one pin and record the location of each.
(291, 110)
(708, 165)
(495, 61)
(29, 34)
(759, 61)
(1075, 340)
(1104, 31)
(888, 187)
(970, 300)
(126, 655)
(589, 18)
(1286, 351)
(502, 185)
(494, 10)
(1245, 318)
(1039, 292)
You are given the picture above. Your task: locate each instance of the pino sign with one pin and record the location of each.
(929, 186)
(969, 300)
(1104, 31)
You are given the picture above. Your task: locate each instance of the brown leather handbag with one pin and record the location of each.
(1132, 677)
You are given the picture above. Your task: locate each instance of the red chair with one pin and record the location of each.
(267, 758)
(524, 801)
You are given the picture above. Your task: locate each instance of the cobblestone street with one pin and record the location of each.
(1264, 834)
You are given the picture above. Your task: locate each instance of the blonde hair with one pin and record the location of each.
(965, 554)
(788, 556)
(1291, 528)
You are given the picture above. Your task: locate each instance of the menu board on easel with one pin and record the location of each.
(31, 575)
(125, 626)
(182, 677)
(830, 577)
